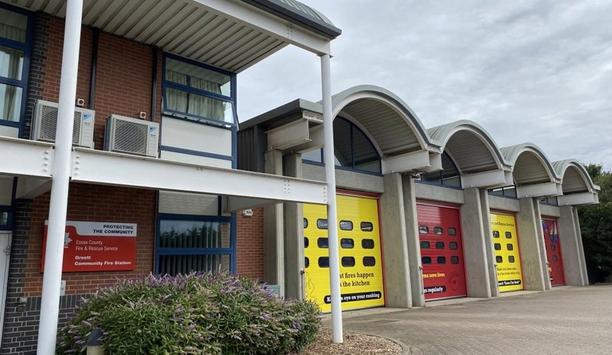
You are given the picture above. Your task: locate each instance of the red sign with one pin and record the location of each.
(97, 246)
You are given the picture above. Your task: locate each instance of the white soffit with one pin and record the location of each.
(198, 30)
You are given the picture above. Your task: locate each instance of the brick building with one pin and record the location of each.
(169, 67)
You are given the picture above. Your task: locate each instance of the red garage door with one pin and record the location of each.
(441, 251)
(553, 251)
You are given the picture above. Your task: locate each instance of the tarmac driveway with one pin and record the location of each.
(567, 320)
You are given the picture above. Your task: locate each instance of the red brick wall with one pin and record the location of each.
(123, 75)
(249, 244)
(96, 203)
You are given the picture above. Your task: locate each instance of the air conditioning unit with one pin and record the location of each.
(132, 136)
(45, 124)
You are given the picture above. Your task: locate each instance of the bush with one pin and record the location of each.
(192, 314)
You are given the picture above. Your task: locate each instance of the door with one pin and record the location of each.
(361, 276)
(5, 252)
(507, 255)
(441, 252)
(553, 251)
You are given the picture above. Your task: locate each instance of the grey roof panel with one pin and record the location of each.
(299, 13)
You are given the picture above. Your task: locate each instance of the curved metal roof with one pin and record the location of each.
(469, 145)
(574, 176)
(388, 120)
(300, 13)
(529, 164)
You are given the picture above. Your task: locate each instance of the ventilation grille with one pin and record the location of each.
(48, 124)
(130, 137)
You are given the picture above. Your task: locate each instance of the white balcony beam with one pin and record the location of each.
(101, 167)
(26, 158)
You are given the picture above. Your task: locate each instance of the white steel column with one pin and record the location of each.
(52, 278)
(330, 178)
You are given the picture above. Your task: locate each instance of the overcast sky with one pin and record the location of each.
(536, 71)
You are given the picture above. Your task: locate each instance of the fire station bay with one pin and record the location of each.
(164, 180)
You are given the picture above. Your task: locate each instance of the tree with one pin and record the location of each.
(596, 227)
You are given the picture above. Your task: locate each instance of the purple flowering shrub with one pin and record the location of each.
(192, 314)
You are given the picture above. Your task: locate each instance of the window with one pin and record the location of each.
(367, 243)
(198, 92)
(438, 230)
(508, 235)
(425, 244)
(306, 242)
(454, 259)
(448, 176)
(426, 260)
(348, 261)
(347, 243)
(353, 149)
(510, 246)
(495, 234)
(322, 223)
(305, 223)
(323, 261)
(323, 243)
(366, 226)
(369, 261)
(508, 191)
(5, 218)
(453, 246)
(201, 244)
(14, 54)
(306, 262)
(441, 260)
(439, 245)
(499, 259)
(511, 258)
(423, 229)
(497, 246)
(346, 225)
(452, 231)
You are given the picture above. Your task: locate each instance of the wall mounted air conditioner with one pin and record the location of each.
(132, 136)
(45, 124)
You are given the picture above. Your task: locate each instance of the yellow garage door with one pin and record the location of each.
(361, 276)
(507, 256)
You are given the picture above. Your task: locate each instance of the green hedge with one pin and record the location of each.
(192, 314)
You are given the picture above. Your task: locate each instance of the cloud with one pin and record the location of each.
(538, 71)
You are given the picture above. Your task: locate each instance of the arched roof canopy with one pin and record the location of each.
(392, 126)
(529, 164)
(472, 148)
(574, 177)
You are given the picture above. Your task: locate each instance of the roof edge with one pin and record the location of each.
(283, 10)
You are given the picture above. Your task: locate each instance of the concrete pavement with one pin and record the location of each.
(567, 320)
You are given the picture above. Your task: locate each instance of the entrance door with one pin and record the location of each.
(441, 252)
(361, 276)
(553, 251)
(507, 256)
(5, 251)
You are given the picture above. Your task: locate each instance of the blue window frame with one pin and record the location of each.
(352, 147)
(198, 92)
(15, 51)
(187, 244)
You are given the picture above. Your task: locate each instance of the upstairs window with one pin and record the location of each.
(13, 62)
(507, 191)
(448, 176)
(197, 92)
(353, 149)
